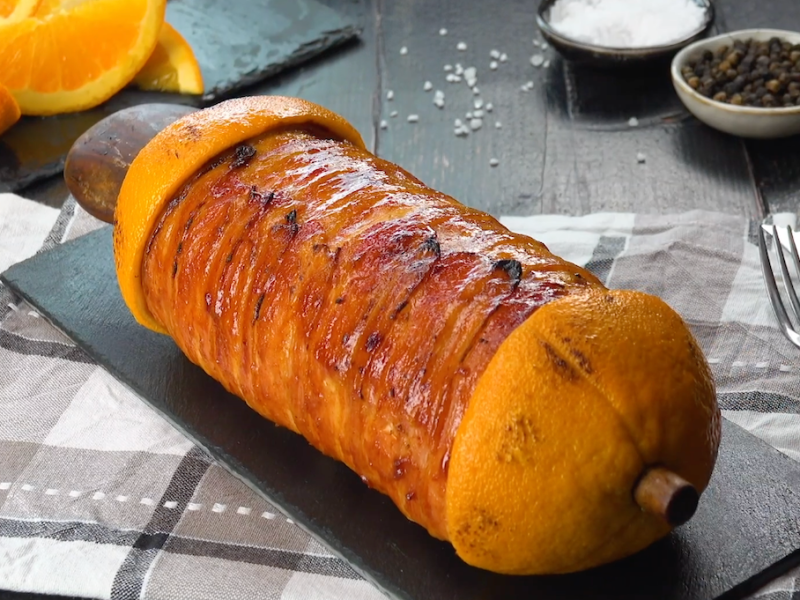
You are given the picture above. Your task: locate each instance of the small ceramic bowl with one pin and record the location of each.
(602, 56)
(744, 121)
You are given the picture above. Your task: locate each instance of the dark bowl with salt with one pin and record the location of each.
(616, 56)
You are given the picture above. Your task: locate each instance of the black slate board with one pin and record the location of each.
(746, 531)
(236, 44)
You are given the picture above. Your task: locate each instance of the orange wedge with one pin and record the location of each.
(9, 110)
(172, 67)
(78, 56)
(15, 10)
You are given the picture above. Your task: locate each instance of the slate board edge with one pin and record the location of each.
(748, 586)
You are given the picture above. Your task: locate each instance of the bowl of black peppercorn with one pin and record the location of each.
(746, 83)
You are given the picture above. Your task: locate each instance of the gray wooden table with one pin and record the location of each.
(565, 146)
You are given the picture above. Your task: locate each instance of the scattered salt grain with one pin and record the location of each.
(536, 43)
(384, 124)
(544, 46)
(493, 162)
(494, 54)
(393, 114)
(468, 115)
(460, 129)
(471, 76)
(546, 64)
(477, 114)
(489, 107)
(390, 95)
(640, 158)
(413, 118)
(503, 57)
(526, 87)
(443, 31)
(476, 91)
(537, 60)
(461, 46)
(458, 123)
(498, 125)
(459, 69)
(452, 78)
(493, 65)
(427, 86)
(438, 98)
(478, 103)
(633, 122)
(475, 124)
(404, 50)
(448, 68)
(625, 24)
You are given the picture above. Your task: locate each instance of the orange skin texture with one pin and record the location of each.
(503, 398)
(637, 393)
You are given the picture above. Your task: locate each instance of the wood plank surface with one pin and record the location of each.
(565, 146)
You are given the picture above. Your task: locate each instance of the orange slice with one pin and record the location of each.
(78, 56)
(172, 67)
(9, 110)
(15, 10)
(177, 152)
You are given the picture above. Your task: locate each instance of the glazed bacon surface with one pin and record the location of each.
(343, 299)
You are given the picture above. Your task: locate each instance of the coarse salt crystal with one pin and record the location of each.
(393, 114)
(443, 31)
(384, 124)
(537, 60)
(458, 123)
(390, 95)
(427, 86)
(625, 24)
(489, 107)
(498, 125)
(633, 122)
(475, 124)
(468, 115)
(476, 91)
(448, 68)
(459, 69)
(544, 46)
(438, 98)
(461, 46)
(413, 118)
(546, 64)
(493, 162)
(494, 53)
(478, 103)
(640, 157)
(536, 43)
(404, 50)
(503, 57)
(493, 65)
(477, 113)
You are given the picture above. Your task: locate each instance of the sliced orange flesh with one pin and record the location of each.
(77, 56)
(179, 151)
(9, 110)
(172, 67)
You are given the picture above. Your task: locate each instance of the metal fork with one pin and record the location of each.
(790, 328)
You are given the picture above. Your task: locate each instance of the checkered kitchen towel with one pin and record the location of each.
(85, 483)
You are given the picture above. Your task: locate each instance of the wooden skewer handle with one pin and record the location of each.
(667, 495)
(98, 160)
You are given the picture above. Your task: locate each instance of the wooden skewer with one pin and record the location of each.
(667, 495)
(98, 160)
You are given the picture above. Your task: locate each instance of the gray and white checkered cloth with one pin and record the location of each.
(101, 498)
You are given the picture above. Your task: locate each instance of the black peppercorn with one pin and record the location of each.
(748, 73)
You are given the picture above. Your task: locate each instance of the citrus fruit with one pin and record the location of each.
(172, 67)
(79, 55)
(14, 10)
(176, 153)
(9, 110)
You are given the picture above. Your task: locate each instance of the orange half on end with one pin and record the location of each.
(172, 67)
(176, 153)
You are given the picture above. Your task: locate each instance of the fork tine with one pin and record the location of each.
(772, 285)
(787, 278)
